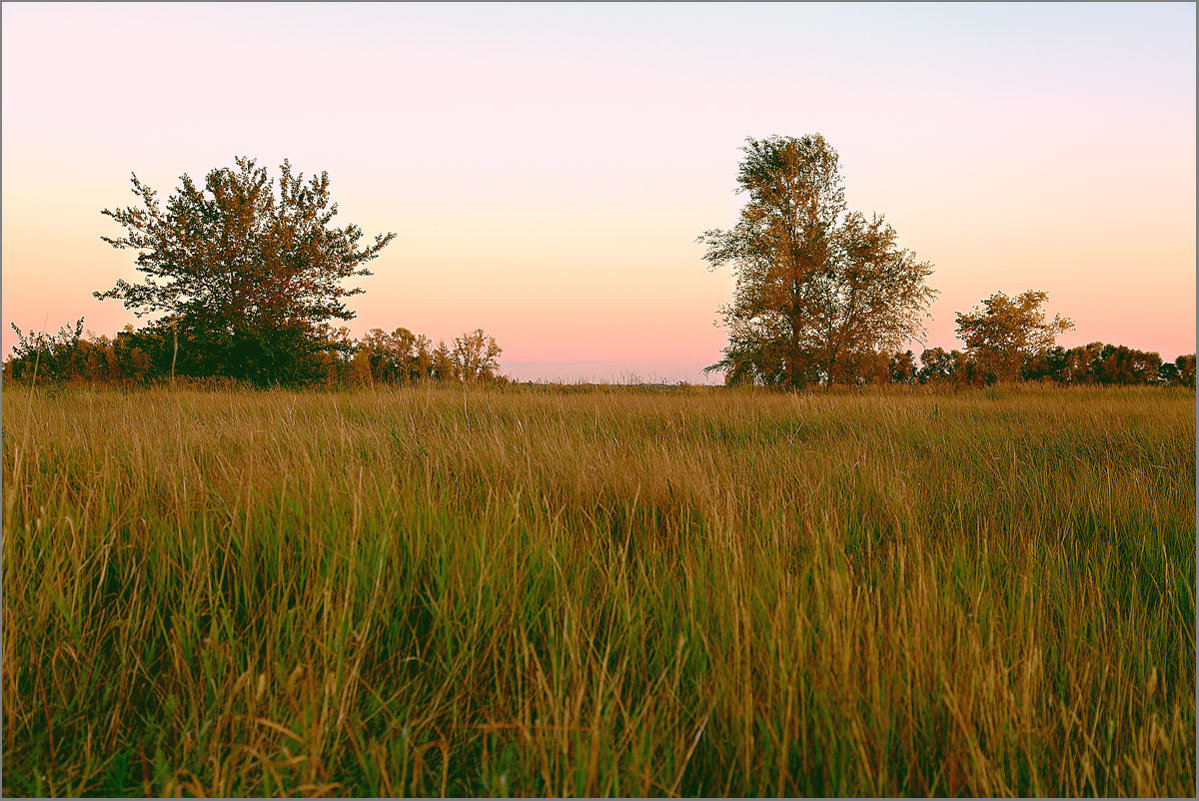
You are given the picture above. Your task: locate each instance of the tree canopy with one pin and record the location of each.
(820, 289)
(476, 356)
(1006, 331)
(247, 272)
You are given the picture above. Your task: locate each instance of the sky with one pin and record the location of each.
(547, 168)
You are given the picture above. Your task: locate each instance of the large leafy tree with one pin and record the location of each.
(1006, 331)
(244, 274)
(820, 289)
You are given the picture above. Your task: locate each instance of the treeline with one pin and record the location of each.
(157, 353)
(245, 276)
(146, 356)
(1093, 364)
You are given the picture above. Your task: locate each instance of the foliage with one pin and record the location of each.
(819, 288)
(146, 356)
(1092, 364)
(936, 364)
(476, 356)
(468, 592)
(1186, 370)
(1006, 331)
(400, 357)
(50, 353)
(903, 368)
(443, 368)
(244, 273)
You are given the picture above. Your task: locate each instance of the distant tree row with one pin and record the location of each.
(147, 355)
(402, 357)
(1093, 364)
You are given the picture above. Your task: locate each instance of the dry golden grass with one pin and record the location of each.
(695, 592)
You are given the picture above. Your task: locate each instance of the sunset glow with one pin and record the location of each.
(547, 168)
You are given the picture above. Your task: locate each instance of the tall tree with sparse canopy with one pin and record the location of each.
(1006, 331)
(818, 287)
(242, 274)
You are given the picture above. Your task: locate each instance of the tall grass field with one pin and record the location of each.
(537, 591)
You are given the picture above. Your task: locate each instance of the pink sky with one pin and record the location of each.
(547, 168)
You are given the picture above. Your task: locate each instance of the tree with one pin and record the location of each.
(964, 370)
(399, 357)
(903, 367)
(1080, 363)
(870, 367)
(421, 366)
(388, 353)
(1047, 365)
(40, 353)
(1168, 374)
(818, 287)
(247, 272)
(1186, 370)
(1119, 364)
(936, 365)
(441, 364)
(1006, 330)
(360, 370)
(476, 356)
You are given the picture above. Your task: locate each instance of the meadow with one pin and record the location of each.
(604, 591)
